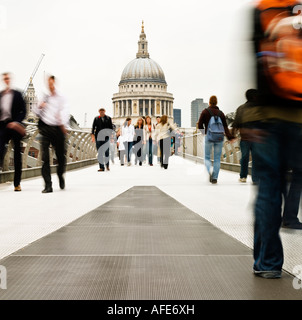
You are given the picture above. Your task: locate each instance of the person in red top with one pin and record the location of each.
(203, 123)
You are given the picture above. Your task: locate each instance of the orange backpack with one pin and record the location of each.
(281, 47)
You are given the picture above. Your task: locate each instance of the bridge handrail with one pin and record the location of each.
(79, 147)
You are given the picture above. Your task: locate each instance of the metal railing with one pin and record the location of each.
(193, 149)
(80, 151)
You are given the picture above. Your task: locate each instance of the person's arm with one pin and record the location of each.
(201, 121)
(93, 130)
(65, 116)
(22, 108)
(110, 123)
(226, 128)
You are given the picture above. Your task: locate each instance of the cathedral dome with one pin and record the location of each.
(143, 70)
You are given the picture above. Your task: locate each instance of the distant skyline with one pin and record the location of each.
(203, 48)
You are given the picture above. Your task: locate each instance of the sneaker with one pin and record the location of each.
(18, 188)
(214, 181)
(129, 164)
(242, 180)
(274, 274)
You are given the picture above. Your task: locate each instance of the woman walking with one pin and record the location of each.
(139, 140)
(213, 121)
(163, 134)
(149, 137)
(128, 136)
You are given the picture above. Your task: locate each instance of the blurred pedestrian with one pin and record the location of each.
(214, 138)
(156, 145)
(12, 113)
(177, 142)
(241, 124)
(278, 133)
(53, 123)
(149, 139)
(113, 140)
(163, 132)
(291, 206)
(139, 141)
(102, 130)
(128, 136)
(122, 149)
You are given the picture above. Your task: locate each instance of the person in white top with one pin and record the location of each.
(128, 136)
(149, 129)
(163, 132)
(53, 125)
(121, 149)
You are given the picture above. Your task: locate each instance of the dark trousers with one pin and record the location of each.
(103, 153)
(292, 199)
(165, 151)
(5, 136)
(128, 146)
(150, 150)
(138, 152)
(246, 147)
(52, 135)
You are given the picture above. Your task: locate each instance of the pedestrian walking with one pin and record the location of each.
(53, 123)
(12, 113)
(164, 131)
(128, 136)
(278, 132)
(149, 129)
(213, 121)
(241, 124)
(139, 141)
(102, 130)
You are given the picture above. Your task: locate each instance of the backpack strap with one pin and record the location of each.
(212, 114)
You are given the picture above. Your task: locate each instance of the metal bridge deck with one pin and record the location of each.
(141, 243)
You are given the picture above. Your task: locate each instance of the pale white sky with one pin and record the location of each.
(202, 47)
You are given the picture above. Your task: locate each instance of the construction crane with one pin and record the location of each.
(33, 73)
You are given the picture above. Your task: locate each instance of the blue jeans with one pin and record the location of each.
(246, 147)
(208, 146)
(280, 149)
(128, 146)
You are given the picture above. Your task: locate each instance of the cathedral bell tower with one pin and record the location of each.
(142, 45)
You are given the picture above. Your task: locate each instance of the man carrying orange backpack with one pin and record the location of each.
(278, 132)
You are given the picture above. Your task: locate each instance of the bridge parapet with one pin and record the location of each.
(80, 151)
(193, 149)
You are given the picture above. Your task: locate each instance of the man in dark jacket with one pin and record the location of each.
(240, 124)
(12, 113)
(101, 132)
